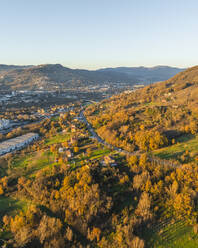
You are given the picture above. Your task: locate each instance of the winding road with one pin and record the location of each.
(136, 153)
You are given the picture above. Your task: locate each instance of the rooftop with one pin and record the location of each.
(17, 140)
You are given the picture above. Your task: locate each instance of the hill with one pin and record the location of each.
(160, 120)
(4, 68)
(55, 76)
(152, 117)
(146, 74)
(188, 76)
(52, 77)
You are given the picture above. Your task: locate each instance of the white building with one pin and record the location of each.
(4, 124)
(17, 143)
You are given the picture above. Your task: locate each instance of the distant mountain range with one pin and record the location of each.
(147, 74)
(56, 76)
(4, 68)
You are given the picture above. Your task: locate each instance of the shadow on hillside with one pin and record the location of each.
(170, 155)
(178, 136)
(8, 205)
(185, 138)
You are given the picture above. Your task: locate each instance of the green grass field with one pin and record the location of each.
(8, 205)
(185, 143)
(96, 154)
(59, 138)
(33, 162)
(99, 153)
(176, 235)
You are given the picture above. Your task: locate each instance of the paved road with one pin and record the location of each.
(136, 153)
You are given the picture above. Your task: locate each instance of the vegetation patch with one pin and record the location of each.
(58, 138)
(172, 235)
(9, 205)
(184, 151)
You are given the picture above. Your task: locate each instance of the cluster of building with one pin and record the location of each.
(17, 143)
(108, 160)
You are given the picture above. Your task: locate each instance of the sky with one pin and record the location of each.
(93, 34)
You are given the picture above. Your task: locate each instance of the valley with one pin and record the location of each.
(116, 169)
(98, 124)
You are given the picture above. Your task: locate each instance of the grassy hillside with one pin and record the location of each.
(173, 235)
(162, 120)
(185, 150)
(152, 117)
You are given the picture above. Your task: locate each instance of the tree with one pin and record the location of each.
(76, 149)
(88, 152)
(183, 205)
(94, 234)
(143, 208)
(1, 190)
(49, 228)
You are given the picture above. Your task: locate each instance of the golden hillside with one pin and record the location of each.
(165, 110)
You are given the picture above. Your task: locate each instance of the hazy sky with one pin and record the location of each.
(99, 33)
